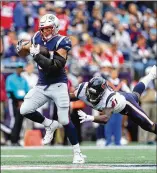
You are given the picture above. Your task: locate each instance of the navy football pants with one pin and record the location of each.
(134, 111)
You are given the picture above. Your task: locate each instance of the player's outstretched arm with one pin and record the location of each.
(97, 119)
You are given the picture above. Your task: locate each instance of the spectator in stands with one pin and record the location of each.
(23, 15)
(94, 22)
(105, 69)
(123, 40)
(134, 32)
(97, 54)
(59, 7)
(123, 16)
(107, 6)
(10, 55)
(10, 41)
(7, 15)
(16, 87)
(152, 38)
(133, 9)
(114, 55)
(107, 28)
(149, 17)
(148, 104)
(142, 56)
(78, 24)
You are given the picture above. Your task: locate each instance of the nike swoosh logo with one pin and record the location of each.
(59, 85)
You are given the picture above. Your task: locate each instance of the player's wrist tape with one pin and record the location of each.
(91, 118)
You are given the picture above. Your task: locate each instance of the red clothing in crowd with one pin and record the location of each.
(3, 96)
(115, 58)
(64, 23)
(7, 14)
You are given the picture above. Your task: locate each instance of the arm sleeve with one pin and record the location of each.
(50, 65)
(65, 44)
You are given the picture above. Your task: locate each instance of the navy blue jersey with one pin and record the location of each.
(54, 44)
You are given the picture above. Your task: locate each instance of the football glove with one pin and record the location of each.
(19, 45)
(84, 117)
(34, 50)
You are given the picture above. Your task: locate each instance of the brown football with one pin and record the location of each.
(25, 51)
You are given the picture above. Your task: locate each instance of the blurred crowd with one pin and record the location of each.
(116, 40)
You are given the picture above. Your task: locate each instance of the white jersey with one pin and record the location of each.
(110, 99)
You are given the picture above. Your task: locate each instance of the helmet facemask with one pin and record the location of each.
(94, 92)
(93, 97)
(45, 36)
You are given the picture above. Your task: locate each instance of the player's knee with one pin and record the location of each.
(24, 109)
(64, 121)
(63, 116)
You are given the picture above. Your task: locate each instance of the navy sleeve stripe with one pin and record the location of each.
(80, 88)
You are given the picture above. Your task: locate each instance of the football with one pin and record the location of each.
(25, 50)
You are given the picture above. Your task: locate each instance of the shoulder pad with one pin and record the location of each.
(65, 43)
(78, 92)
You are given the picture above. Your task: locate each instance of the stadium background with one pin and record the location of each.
(122, 33)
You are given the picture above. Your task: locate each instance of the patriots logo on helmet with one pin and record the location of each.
(51, 18)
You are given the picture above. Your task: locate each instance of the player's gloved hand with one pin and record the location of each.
(34, 49)
(19, 45)
(84, 117)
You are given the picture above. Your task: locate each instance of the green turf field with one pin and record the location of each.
(129, 159)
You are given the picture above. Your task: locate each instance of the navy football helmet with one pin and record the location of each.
(95, 89)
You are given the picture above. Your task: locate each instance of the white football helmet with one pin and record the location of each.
(49, 21)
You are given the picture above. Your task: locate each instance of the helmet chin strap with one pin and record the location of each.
(48, 37)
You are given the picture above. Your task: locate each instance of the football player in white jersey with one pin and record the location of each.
(97, 94)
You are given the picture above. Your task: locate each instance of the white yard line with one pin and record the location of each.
(137, 147)
(57, 155)
(8, 156)
(80, 167)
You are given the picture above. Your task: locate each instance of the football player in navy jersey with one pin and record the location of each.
(97, 94)
(52, 83)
